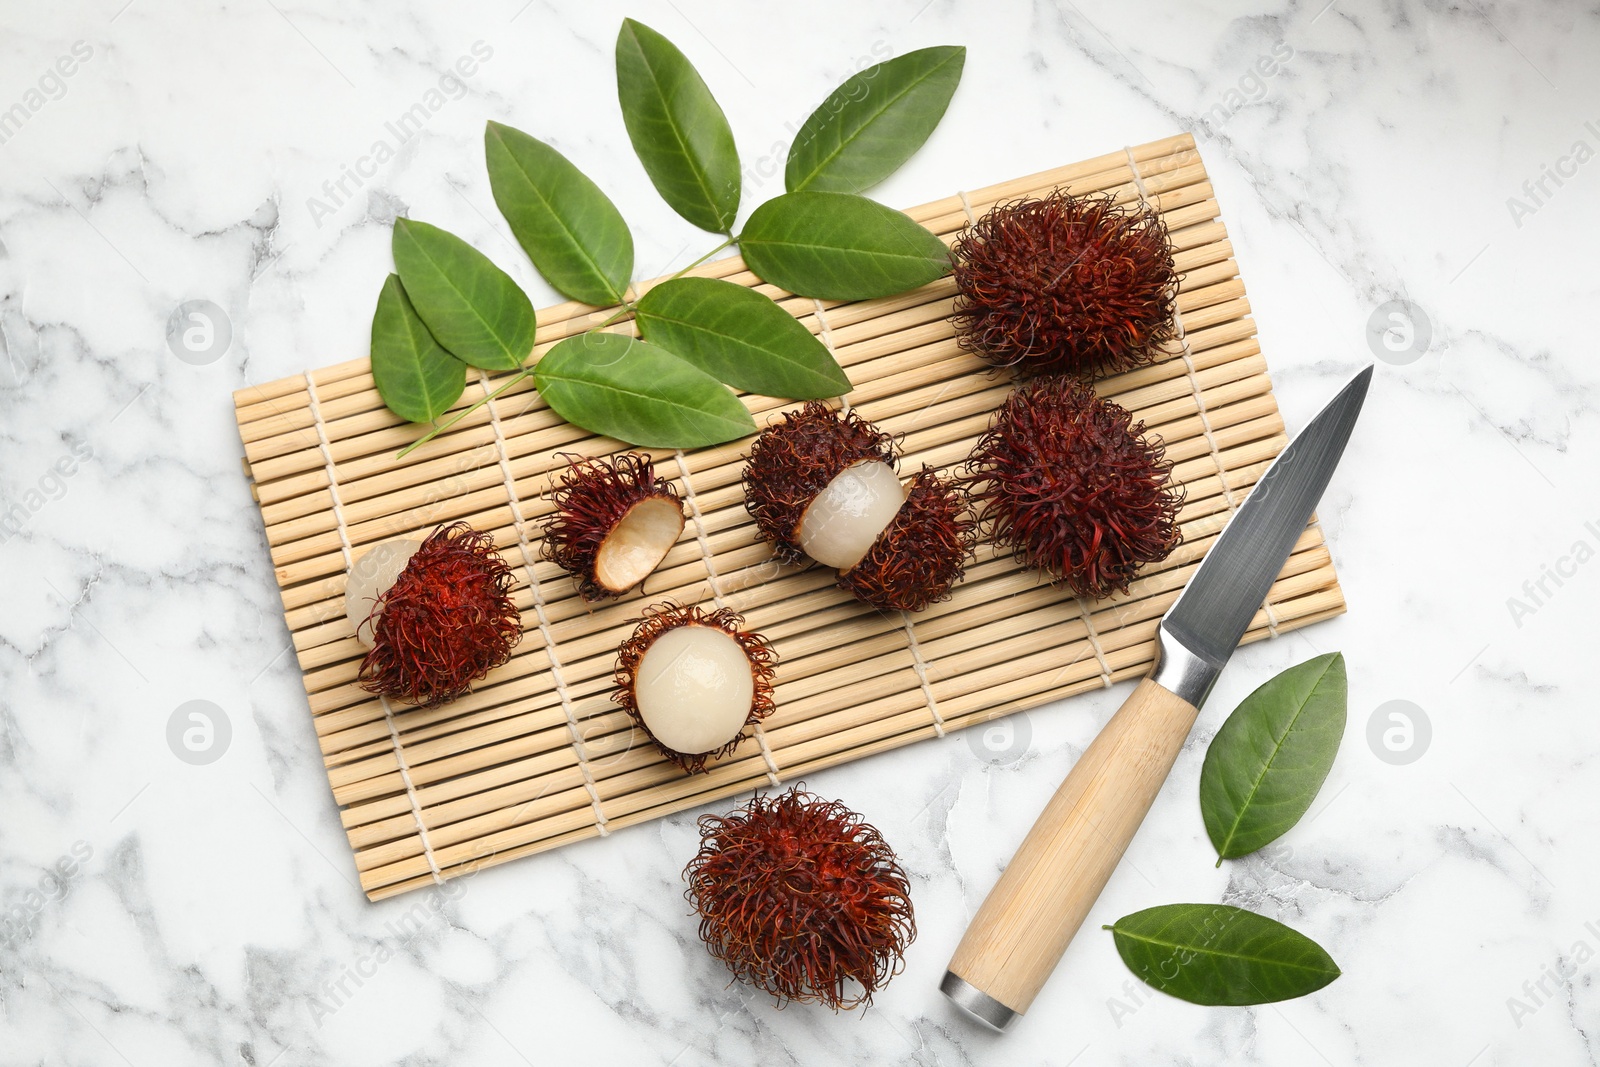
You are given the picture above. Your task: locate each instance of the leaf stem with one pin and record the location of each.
(627, 308)
(440, 428)
(732, 239)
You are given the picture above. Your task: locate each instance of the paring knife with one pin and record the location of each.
(1030, 916)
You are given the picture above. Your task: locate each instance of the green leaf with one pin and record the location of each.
(1218, 954)
(741, 337)
(838, 246)
(471, 306)
(874, 122)
(1265, 765)
(678, 131)
(417, 379)
(639, 393)
(569, 228)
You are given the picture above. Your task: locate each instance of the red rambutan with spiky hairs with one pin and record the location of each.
(795, 458)
(1066, 284)
(923, 551)
(447, 621)
(1068, 482)
(802, 899)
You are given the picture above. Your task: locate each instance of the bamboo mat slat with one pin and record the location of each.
(524, 764)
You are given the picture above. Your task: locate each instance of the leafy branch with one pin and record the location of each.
(448, 306)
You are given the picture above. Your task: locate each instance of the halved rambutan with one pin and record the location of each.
(1065, 285)
(694, 681)
(1068, 482)
(922, 552)
(614, 522)
(442, 622)
(794, 460)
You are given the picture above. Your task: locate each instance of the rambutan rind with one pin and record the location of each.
(1065, 285)
(591, 500)
(922, 553)
(1068, 482)
(795, 458)
(801, 899)
(657, 620)
(447, 621)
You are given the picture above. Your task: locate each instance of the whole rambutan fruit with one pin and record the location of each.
(1065, 285)
(614, 522)
(1068, 482)
(822, 484)
(801, 899)
(694, 680)
(922, 552)
(440, 616)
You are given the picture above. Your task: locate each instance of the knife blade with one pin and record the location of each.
(1031, 915)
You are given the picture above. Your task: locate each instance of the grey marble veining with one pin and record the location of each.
(158, 910)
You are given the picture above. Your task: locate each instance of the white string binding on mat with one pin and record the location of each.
(528, 561)
(704, 541)
(966, 205)
(1094, 643)
(349, 564)
(1187, 355)
(921, 667)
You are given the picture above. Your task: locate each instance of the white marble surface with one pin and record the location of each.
(209, 913)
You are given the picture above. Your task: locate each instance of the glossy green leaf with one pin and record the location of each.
(740, 337)
(570, 229)
(638, 392)
(838, 246)
(1218, 954)
(677, 128)
(1265, 765)
(471, 306)
(417, 379)
(874, 122)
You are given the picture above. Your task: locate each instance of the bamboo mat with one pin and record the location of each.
(538, 755)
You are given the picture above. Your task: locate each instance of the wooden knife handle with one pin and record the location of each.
(1029, 917)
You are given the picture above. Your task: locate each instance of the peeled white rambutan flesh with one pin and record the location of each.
(842, 522)
(371, 577)
(638, 543)
(694, 689)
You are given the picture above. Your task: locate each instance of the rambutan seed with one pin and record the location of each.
(1065, 284)
(1068, 482)
(614, 522)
